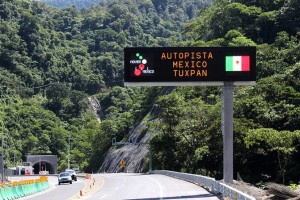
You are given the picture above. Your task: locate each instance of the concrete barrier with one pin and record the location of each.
(209, 183)
(18, 189)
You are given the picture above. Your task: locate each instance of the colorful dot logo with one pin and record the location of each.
(141, 66)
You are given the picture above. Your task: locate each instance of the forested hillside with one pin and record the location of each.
(52, 59)
(266, 116)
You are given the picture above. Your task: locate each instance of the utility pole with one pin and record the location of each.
(69, 149)
(2, 155)
(2, 140)
(4, 130)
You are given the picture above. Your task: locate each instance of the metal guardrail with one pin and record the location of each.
(210, 183)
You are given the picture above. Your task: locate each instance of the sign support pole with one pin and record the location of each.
(227, 131)
(150, 159)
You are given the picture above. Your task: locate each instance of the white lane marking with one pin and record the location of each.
(116, 188)
(102, 197)
(161, 193)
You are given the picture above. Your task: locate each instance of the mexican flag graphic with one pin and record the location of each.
(237, 63)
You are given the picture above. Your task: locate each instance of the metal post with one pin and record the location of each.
(2, 156)
(227, 130)
(69, 149)
(150, 159)
(4, 130)
(113, 141)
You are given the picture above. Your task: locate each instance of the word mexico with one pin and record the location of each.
(188, 63)
(179, 66)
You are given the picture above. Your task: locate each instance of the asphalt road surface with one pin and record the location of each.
(65, 191)
(123, 186)
(145, 187)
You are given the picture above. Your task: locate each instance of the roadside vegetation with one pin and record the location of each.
(52, 59)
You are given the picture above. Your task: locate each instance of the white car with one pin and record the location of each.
(73, 174)
(64, 177)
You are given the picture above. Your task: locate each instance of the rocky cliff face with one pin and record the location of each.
(132, 155)
(95, 106)
(129, 156)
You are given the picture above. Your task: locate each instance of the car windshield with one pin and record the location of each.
(64, 174)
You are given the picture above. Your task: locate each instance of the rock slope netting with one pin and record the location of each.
(134, 152)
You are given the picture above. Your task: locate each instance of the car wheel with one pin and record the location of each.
(75, 179)
(58, 183)
(70, 182)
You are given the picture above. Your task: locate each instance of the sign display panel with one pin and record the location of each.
(181, 66)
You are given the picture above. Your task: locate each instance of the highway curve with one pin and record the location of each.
(142, 187)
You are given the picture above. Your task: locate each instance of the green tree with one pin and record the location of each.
(270, 140)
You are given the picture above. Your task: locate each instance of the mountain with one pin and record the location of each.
(68, 3)
(53, 60)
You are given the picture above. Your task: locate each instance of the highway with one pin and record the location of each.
(65, 191)
(142, 187)
(123, 186)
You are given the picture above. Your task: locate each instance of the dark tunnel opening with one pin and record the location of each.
(43, 167)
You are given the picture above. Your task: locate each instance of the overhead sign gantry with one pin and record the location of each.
(183, 66)
(195, 66)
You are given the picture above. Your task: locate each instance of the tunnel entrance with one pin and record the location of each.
(43, 167)
(43, 164)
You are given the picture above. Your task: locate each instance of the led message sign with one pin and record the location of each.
(176, 66)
